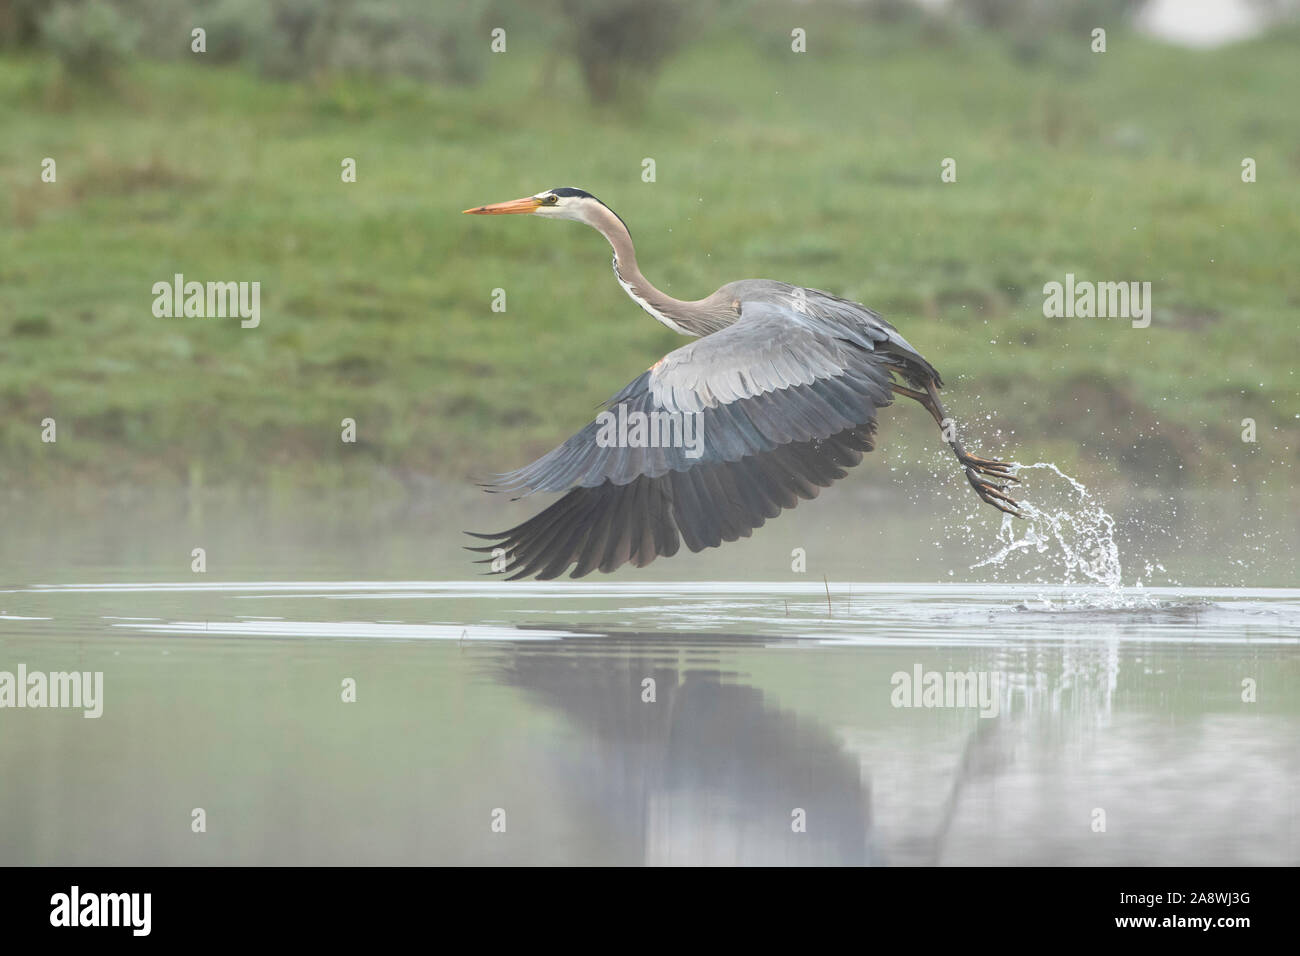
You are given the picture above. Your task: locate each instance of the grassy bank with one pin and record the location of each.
(821, 168)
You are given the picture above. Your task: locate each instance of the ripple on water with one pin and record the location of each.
(859, 613)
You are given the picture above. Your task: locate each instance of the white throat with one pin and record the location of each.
(632, 294)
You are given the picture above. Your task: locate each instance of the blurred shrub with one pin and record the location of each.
(892, 11)
(1013, 15)
(235, 30)
(288, 39)
(1028, 25)
(90, 39)
(621, 44)
(293, 39)
(20, 22)
(444, 40)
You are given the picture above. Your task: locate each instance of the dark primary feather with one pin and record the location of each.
(787, 398)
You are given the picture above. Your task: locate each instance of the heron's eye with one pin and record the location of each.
(551, 200)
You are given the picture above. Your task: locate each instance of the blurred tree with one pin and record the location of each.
(1276, 11)
(621, 44)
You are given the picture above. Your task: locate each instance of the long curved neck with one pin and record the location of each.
(689, 318)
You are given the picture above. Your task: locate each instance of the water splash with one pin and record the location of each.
(1076, 539)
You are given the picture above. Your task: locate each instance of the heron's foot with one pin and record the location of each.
(1001, 470)
(993, 494)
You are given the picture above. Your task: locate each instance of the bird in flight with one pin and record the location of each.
(774, 399)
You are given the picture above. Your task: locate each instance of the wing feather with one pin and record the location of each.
(786, 403)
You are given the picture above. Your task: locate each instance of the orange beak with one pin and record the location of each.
(527, 204)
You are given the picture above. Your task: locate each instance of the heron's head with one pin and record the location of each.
(562, 202)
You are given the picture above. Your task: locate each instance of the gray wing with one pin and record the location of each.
(783, 402)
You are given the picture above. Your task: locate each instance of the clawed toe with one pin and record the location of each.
(993, 494)
(1001, 470)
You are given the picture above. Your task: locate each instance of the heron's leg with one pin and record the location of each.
(988, 466)
(913, 394)
(978, 469)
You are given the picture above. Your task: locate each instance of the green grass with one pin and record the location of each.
(820, 169)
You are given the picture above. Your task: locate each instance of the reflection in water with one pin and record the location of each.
(987, 752)
(473, 697)
(711, 772)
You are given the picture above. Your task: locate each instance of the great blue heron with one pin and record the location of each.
(773, 401)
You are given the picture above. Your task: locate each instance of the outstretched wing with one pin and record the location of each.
(782, 403)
